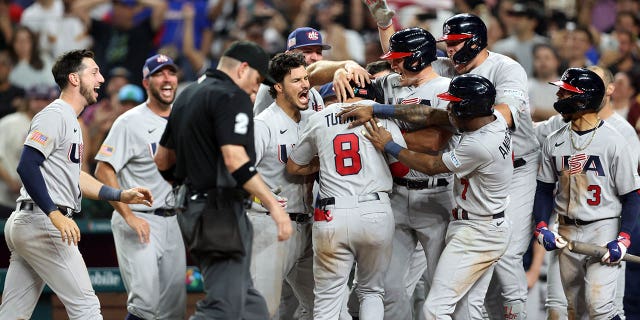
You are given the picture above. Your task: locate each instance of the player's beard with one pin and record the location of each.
(293, 101)
(87, 93)
(155, 92)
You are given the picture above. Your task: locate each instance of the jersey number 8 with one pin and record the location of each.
(346, 148)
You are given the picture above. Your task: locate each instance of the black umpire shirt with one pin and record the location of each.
(207, 115)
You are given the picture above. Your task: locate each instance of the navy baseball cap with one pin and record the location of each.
(252, 54)
(304, 37)
(157, 62)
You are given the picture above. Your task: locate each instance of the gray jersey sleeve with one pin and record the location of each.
(465, 158)
(117, 147)
(262, 133)
(46, 131)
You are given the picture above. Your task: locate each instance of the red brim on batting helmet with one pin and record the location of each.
(446, 96)
(454, 37)
(566, 86)
(395, 55)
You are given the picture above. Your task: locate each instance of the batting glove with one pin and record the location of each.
(380, 11)
(547, 238)
(616, 249)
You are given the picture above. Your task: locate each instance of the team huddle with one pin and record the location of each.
(403, 178)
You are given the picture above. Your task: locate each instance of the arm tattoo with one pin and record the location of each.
(421, 114)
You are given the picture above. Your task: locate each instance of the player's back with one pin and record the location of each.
(349, 163)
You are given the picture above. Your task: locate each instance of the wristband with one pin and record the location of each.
(393, 149)
(244, 173)
(383, 110)
(108, 193)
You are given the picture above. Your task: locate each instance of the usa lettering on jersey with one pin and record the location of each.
(579, 164)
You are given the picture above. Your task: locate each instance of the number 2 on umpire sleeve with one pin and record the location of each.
(346, 148)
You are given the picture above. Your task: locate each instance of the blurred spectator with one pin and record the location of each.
(527, 17)
(10, 95)
(173, 32)
(379, 68)
(32, 67)
(38, 15)
(627, 58)
(93, 116)
(66, 33)
(500, 23)
(130, 96)
(542, 96)
(9, 15)
(122, 40)
(14, 128)
(346, 44)
(578, 42)
(625, 21)
(622, 95)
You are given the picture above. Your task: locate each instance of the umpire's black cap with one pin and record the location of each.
(254, 55)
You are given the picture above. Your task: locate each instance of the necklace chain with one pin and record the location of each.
(593, 134)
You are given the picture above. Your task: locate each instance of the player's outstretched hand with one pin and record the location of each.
(342, 85)
(616, 249)
(359, 75)
(548, 239)
(378, 135)
(137, 195)
(283, 222)
(356, 114)
(140, 226)
(68, 228)
(380, 11)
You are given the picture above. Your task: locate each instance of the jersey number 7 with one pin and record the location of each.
(346, 149)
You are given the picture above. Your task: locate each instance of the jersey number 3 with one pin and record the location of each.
(346, 148)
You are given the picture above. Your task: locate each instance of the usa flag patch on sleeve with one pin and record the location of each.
(38, 137)
(106, 150)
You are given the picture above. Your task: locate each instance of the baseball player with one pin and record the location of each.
(276, 131)
(465, 36)
(597, 197)
(482, 165)
(150, 249)
(353, 218)
(556, 302)
(41, 234)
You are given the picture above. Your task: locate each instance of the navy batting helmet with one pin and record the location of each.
(470, 95)
(588, 89)
(469, 28)
(416, 45)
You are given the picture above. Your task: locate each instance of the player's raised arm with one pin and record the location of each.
(383, 16)
(412, 113)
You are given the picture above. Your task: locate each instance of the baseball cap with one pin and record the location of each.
(157, 62)
(303, 37)
(131, 92)
(42, 92)
(252, 54)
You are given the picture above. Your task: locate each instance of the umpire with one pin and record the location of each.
(208, 145)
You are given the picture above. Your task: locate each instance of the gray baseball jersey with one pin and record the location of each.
(153, 273)
(424, 94)
(343, 169)
(38, 255)
(276, 134)
(355, 176)
(55, 132)
(482, 166)
(483, 170)
(264, 100)
(275, 263)
(129, 148)
(590, 179)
